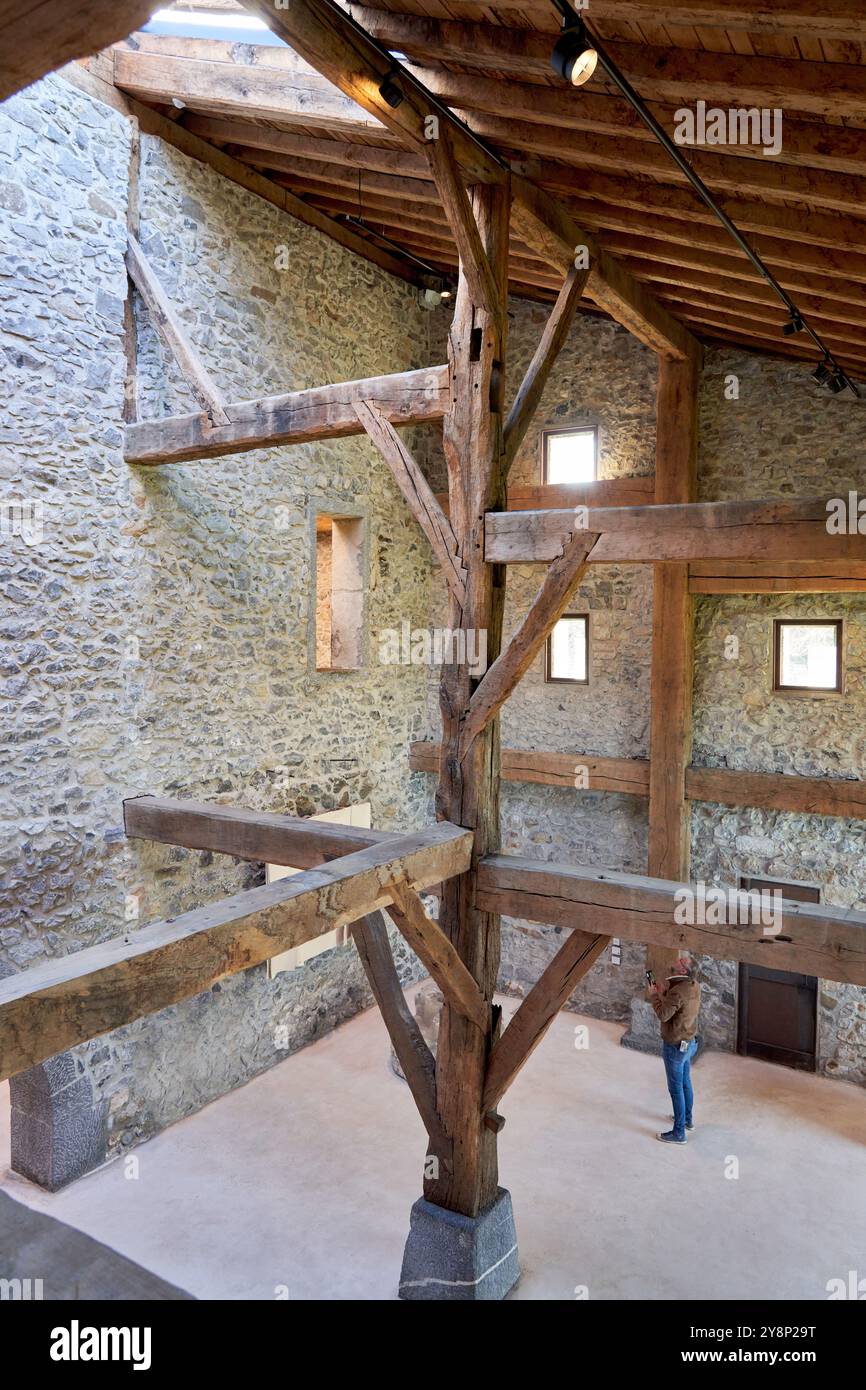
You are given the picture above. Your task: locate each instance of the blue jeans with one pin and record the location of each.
(678, 1070)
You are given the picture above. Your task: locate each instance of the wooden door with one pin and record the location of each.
(777, 1009)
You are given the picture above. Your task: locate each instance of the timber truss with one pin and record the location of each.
(348, 875)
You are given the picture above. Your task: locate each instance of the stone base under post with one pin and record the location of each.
(643, 1033)
(455, 1257)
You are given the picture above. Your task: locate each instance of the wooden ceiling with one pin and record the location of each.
(804, 210)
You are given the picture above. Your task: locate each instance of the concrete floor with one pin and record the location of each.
(299, 1184)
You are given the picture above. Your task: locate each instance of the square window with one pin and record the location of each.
(568, 650)
(808, 655)
(570, 456)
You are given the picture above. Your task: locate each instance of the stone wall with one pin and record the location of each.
(782, 437)
(160, 637)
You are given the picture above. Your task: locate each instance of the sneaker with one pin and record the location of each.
(669, 1137)
(690, 1124)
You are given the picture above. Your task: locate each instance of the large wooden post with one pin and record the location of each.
(672, 661)
(468, 792)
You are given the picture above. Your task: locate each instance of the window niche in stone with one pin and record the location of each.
(339, 592)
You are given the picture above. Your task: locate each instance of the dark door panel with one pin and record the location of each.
(777, 1011)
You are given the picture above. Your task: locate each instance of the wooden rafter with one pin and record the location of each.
(547, 607)
(661, 74)
(170, 329)
(418, 494)
(323, 412)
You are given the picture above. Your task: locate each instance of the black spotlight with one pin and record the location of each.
(837, 382)
(574, 57)
(822, 374)
(390, 91)
(794, 325)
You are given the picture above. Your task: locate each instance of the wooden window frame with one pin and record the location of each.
(565, 680)
(569, 429)
(808, 691)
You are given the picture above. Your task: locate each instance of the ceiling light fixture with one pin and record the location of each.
(390, 90)
(573, 56)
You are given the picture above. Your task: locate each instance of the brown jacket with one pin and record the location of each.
(678, 1010)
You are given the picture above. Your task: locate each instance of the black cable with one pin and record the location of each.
(572, 19)
(358, 222)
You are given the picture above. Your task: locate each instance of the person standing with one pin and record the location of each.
(677, 1003)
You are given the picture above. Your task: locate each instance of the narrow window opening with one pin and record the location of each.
(339, 593)
(567, 658)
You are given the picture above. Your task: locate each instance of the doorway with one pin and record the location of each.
(778, 1009)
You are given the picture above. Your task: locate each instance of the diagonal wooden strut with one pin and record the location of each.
(574, 959)
(532, 387)
(419, 1067)
(168, 325)
(434, 950)
(418, 494)
(562, 577)
(455, 200)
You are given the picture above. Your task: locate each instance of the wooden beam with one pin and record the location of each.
(771, 791)
(669, 820)
(660, 74)
(370, 935)
(777, 791)
(436, 952)
(54, 1006)
(554, 108)
(34, 40)
(461, 219)
(549, 228)
(551, 991)
(253, 92)
(637, 491)
(170, 329)
(811, 939)
(468, 790)
(531, 389)
(773, 528)
(584, 771)
(547, 607)
(323, 412)
(418, 495)
(326, 38)
(777, 577)
(265, 836)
